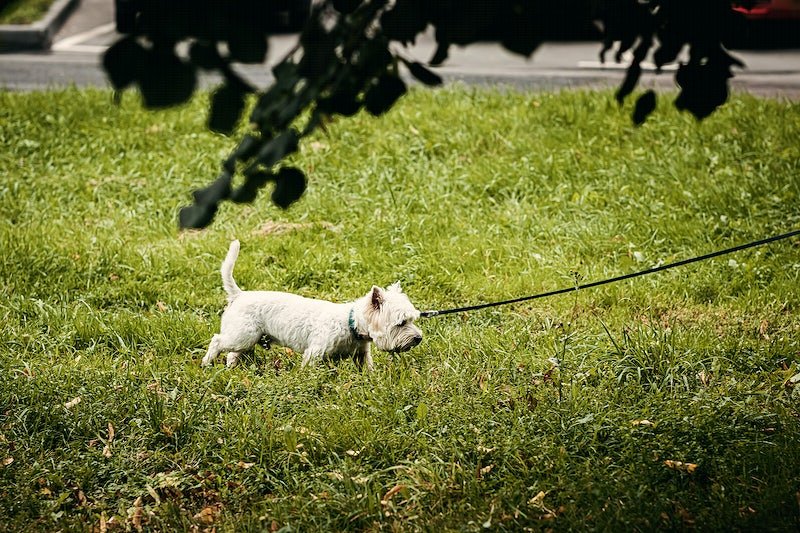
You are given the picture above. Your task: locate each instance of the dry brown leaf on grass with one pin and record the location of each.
(7, 461)
(763, 328)
(153, 494)
(689, 468)
(538, 502)
(390, 494)
(135, 514)
(73, 402)
(107, 447)
(207, 515)
(792, 381)
(705, 378)
(645, 423)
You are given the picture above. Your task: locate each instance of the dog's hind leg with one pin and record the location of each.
(312, 355)
(214, 349)
(232, 359)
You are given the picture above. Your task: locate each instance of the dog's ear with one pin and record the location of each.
(395, 287)
(376, 297)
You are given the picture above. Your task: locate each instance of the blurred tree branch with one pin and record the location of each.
(344, 62)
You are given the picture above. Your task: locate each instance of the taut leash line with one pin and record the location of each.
(429, 314)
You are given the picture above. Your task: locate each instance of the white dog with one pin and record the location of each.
(317, 328)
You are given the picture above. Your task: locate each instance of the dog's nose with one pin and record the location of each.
(416, 340)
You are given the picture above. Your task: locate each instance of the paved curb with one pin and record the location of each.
(40, 34)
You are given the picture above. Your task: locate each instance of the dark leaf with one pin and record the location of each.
(227, 104)
(289, 187)
(374, 56)
(165, 21)
(249, 189)
(346, 6)
(607, 45)
(247, 148)
(645, 105)
(520, 26)
(466, 24)
(287, 113)
(205, 55)
(703, 88)
(247, 45)
(318, 51)
(726, 61)
(196, 216)
(167, 80)
(383, 94)
(667, 52)
(624, 46)
(629, 83)
(640, 52)
(522, 43)
(273, 101)
(278, 148)
(423, 74)
(123, 61)
(440, 56)
(285, 73)
(343, 102)
(219, 190)
(404, 21)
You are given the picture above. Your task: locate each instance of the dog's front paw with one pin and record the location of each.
(206, 361)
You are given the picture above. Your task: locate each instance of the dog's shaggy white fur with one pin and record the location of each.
(317, 328)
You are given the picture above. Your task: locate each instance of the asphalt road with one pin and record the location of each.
(75, 60)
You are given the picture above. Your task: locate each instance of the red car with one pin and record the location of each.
(771, 10)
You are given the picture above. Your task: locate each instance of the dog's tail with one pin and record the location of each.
(226, 270)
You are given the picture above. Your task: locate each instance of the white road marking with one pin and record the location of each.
(611, 65)
(74, 43)
(627, 59)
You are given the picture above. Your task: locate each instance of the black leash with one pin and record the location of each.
(428, 314)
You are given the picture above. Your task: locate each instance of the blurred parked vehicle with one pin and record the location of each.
(771, 10)
(768, 24)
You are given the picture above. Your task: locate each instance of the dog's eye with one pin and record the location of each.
(403, 323)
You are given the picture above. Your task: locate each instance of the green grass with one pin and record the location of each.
(23, 11)
(465, 196)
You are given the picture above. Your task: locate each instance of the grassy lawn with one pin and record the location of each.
(663, 402)
(23, 11)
